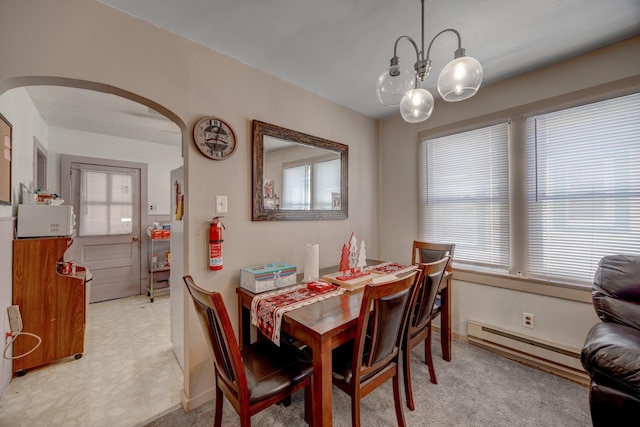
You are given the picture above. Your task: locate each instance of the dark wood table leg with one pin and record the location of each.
(321, 389)
(244, 323)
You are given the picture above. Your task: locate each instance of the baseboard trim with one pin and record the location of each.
(189, 404)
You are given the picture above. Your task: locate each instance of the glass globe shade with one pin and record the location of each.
(417, 105)
(460, 79)
(391, 89)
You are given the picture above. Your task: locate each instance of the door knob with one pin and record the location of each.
(135, 238)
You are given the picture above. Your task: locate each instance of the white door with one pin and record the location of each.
(106, 200)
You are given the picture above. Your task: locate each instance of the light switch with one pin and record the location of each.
(221, 204)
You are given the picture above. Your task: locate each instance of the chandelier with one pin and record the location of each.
(459, 79)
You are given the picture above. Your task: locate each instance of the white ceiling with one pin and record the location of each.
(337, 48)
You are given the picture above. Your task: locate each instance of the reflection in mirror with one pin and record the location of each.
(297, 176)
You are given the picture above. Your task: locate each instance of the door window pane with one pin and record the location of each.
(106, 203)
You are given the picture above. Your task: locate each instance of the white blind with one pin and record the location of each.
(106, 203)
(464, 190)
(326, 181)
(296, 188)
(583, 188)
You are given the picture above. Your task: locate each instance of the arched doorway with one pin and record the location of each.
(100, 89)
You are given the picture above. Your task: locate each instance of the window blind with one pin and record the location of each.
(583, 188)
(464, 191)
(326, 181)
(106, 203)
(296, 187)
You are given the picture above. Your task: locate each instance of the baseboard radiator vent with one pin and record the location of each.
(551, 357)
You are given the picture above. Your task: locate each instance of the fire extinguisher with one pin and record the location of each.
(215, 244)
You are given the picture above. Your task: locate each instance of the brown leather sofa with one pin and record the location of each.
(611, 352)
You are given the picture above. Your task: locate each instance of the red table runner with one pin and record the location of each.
(267, 309)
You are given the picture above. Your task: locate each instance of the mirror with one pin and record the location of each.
(297, 176)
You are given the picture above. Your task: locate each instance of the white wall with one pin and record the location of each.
(160, 158)
(6, 262)
(562, 320)
(17, 108)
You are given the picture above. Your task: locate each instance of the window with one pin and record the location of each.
(326, 179)
(577, 184)
(583, 188)
(296, 187)
(465, 195)
(106, 203)
(311, 185)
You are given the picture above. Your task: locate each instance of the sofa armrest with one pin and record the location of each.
(611, 357)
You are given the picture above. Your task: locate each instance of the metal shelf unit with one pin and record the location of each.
(156, 274)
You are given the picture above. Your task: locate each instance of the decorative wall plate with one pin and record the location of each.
(214, 138)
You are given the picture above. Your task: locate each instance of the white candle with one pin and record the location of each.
(311, 261)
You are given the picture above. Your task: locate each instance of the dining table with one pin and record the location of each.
(323, 326)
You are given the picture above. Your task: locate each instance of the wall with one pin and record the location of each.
(110, 51)
(564, 319)
(17, 108)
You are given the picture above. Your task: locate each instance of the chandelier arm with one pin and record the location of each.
(415, 46)
(441, 32)
(421, 58)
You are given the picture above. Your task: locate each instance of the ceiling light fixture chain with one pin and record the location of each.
(460, 79)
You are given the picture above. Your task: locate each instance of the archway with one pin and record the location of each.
(29, 81)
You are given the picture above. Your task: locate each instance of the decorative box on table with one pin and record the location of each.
(266, 277)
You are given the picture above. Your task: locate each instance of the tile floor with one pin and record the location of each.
(127, 374)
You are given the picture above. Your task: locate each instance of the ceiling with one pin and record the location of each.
(337, 48)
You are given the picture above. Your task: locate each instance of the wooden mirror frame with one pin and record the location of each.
(259, 213)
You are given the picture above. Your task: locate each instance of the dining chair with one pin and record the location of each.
(372, 357)
(419, 322)
(255, 377)
(425, 252)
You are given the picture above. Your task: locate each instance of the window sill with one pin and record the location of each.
(579, 293)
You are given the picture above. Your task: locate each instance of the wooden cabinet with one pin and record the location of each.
(52, 305)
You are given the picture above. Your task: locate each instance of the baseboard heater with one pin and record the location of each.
(552, 357)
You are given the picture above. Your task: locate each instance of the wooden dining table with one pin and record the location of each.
(323, 326)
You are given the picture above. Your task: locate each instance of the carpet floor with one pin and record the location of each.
(477, 388)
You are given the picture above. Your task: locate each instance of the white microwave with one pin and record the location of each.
(45, 221)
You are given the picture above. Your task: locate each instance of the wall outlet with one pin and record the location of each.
(15, 320)
(527, 320)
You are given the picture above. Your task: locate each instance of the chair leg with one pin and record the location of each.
(428, 358)
(396, 400)
(355, 410)
(245, 420)
(308, 409)
(285, 402)
(218, 414)
(406, 370)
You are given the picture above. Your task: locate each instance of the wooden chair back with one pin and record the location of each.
(425, 295)
(383, 314)
(221, 339)
(426, 252)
